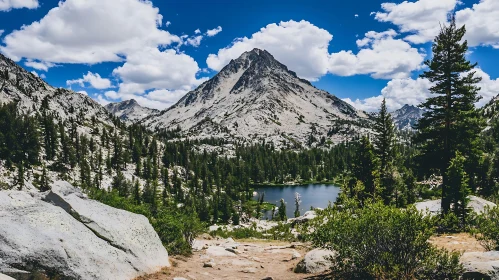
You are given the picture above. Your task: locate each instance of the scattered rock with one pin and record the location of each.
(268, 278)
(5, 277)
(249, 270)
(433, 207)
(481, 265)
(232, 250)
(315, 261)
(295, 255)
(309, 215)
(210, 263)
(217, 251)
(65, 232)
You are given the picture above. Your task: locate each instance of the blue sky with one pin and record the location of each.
(358, 50)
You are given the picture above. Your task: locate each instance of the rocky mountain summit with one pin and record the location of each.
(130, 110)
(255, 97)
(62, 233)
(406, 117)
(33, 95)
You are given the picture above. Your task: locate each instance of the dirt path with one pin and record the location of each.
(241, 259)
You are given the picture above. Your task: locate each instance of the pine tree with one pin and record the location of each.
(44, 182)
(365, 168)
(451, 122)
(136, 192)
(459, 188)
(384, 137)
(282, 210)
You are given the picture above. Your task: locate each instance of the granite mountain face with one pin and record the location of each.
(256, 98)
(130, 110)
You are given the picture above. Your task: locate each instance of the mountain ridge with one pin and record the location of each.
(256, 97)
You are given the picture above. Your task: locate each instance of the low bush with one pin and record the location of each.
(382, 242)
(487, 228)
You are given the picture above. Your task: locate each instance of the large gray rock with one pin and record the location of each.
(481, 265)
(315, 261)
(433, 207)
(63, 232)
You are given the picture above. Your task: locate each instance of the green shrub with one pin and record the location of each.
(382, 242)
(487, 228)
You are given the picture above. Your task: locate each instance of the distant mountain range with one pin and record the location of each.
(130, 110)
(406, 117)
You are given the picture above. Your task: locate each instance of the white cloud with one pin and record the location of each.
(154, 69)
(39, 65)
(356, 15)
(381, 56)
(301, 46)
(1, 32)
(194, 41)
(34, 73)
(197, 31)
(489, 87)
(482, 23)
(7, 5)
(157, 99)
(214, 31)
(89, 31)
(43, 76)
(421, 18)
(83, 92)
(95, 80)
(399, 92)
(168, 23)
(102, 100)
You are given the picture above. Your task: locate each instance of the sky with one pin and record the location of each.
(156, 51)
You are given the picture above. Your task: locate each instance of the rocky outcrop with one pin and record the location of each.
(64, 233)
(315, 261)
(433, 207)
(481, 265)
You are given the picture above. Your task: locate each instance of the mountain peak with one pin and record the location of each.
(256, 97)
(130, 110)
(407, 116)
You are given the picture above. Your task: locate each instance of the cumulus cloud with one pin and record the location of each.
(157, 99)
(89, 31)
(168, 23)
(95, 80)
(7, 5)
(197, 31)
(39, 65)
(154, 69)
(421, 17)
(399, 92)
(482, 23)
(1, 32)
(381, 55)
(214, 31)
(489, 87)
(83, 92)
(34, 73)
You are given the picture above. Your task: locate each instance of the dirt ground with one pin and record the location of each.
(461, 242)
(254, 259)
(260, 259)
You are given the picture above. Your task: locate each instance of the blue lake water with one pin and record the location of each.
(313, 195)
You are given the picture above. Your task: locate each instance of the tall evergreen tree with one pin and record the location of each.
(451, 122)
(458, 181)
(365, 166)
(384, 137)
